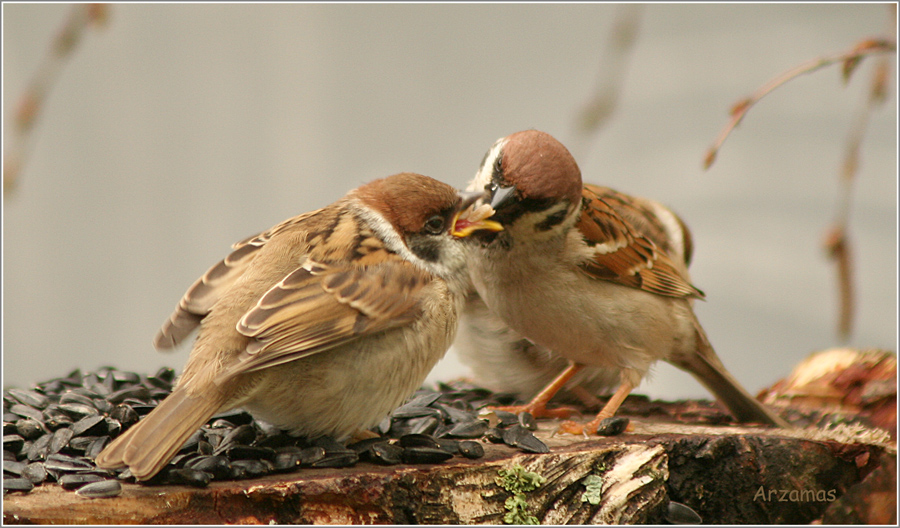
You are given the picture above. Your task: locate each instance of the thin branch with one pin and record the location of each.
(612, 69)
(30, 105)
(850, 59)
(837, 242)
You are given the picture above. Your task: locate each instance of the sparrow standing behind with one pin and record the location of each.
(578, 270)
(322, 324)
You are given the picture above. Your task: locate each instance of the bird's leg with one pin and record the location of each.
(608, 411)
(538, 405)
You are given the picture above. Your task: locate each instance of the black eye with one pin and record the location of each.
(435, 225)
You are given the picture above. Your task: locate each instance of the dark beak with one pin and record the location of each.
(502, 195)
(470, 197)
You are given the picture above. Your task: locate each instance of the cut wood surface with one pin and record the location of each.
(838, 466)
(727, 474)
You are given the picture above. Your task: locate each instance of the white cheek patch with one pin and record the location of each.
(483, 176)
(395, 243)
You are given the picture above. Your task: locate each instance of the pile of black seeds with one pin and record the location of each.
(53, 431)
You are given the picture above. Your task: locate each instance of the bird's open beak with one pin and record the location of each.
(473, 216)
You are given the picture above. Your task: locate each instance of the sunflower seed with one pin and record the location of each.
(456, 415)
(217, 466)
(38, 450)
(471, 449)
(387, 453)
(243, 434)
(125, 414)
(137, 392)
(494, 435)
(311, 455)
(76, 480)
(26, 411)
(162, 379)
(421, 398)
(419, 440)
(242, 452)
(13, 442)
(505, 418)
(449, 445)
(336, 459)
(286, 462)
(53, 418)
(424, 455)
(90, 425)
(80, 443)
(30, 398)
(249, 468)
(60, 439)
(328, 443)
(415, 411)
(101, 489)
(66, 464)
(13, 467)
(189, 477)
(474, 429)
(365, 446)
(612, 426)
(77, 411)
(94, 448)
(35, 472)
(76, 397)
(17, 484)
(221, 423)
(276, 440)
(113, 427)
(526, 420)
(122, 377)
(518, 436)
(205, 448)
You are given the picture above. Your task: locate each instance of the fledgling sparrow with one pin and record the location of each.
(502, 360)
(577, 270)
(321, 325)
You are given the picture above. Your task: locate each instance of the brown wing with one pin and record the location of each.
(320, 306)
(206, 291)
(642, 216)
(624, 255)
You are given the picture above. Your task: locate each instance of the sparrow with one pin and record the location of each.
(321, 325)
(593, 276)
(502, 360)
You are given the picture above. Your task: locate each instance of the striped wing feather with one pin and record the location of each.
(623, 254)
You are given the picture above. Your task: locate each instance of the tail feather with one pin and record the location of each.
(708, 369)
(149, 445)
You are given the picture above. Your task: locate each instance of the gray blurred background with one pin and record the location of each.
(176, 130)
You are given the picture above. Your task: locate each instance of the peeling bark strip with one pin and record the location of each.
(715, 470)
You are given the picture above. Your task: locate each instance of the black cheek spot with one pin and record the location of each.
(425, 247)
(551, 221)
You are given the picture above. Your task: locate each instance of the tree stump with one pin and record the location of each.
(834, 468)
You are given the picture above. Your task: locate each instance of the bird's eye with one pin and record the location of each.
(435, 225)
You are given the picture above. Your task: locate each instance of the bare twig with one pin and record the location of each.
(595, 113)
(850, 59)
(29, 107)
(612, 69)
(837, 238)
